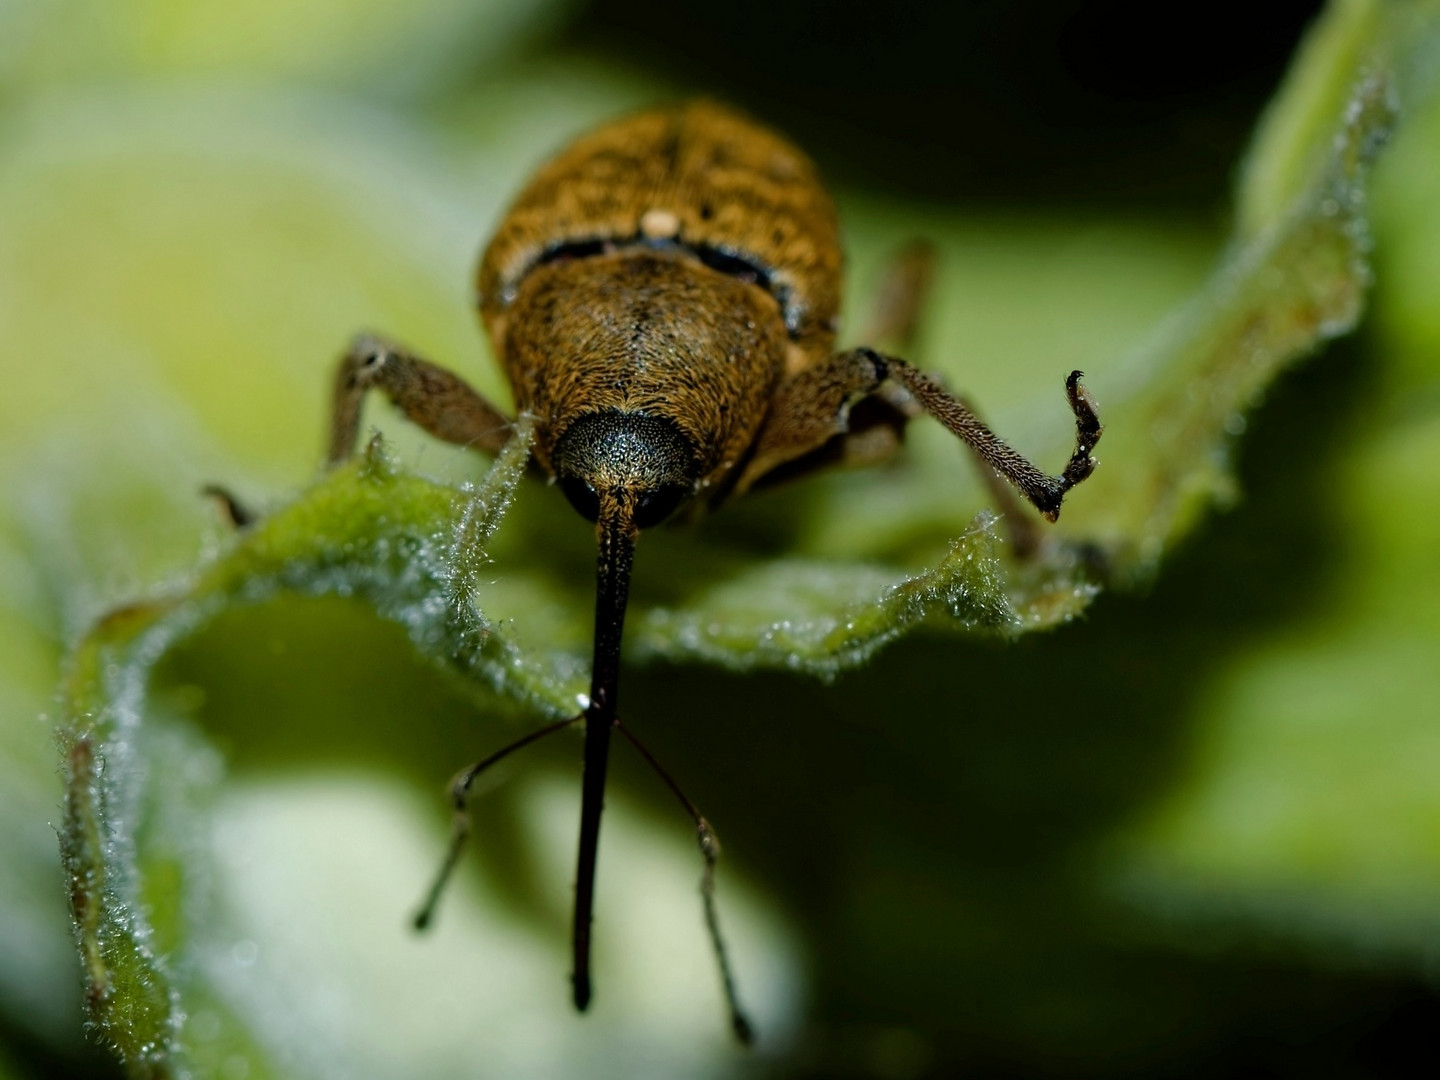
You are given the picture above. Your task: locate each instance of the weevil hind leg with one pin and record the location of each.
(429, 396)
(905, 285)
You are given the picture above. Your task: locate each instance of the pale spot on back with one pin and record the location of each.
(660, 224)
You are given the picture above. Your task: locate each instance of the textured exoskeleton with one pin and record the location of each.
(664, 297)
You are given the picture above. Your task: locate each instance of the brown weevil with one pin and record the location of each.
(664, 298)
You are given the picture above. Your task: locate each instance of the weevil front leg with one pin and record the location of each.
(875, 425)
(814, 407)
(428, 395)
(893, 321)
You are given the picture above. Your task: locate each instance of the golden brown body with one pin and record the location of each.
(663, 296)
(723, 181)
(658, 194)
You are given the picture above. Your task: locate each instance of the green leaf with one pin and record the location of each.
(365, 44)
(395, 541)
(420, 553)
(1308, 807)
(822, 617)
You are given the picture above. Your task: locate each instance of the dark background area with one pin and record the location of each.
(1119, 104)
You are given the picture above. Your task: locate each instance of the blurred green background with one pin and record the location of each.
(1197, 832)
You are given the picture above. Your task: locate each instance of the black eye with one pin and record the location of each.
(584, 498)
(656, 505)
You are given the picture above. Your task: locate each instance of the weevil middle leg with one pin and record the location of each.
(893, 320)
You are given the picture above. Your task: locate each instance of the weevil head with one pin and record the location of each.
(641, 463)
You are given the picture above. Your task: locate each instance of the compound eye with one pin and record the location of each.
(656, 505)
(582, 495)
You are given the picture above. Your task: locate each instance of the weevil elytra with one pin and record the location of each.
(663, 296)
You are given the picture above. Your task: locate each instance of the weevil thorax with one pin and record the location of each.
(643, 368)
(648, 291)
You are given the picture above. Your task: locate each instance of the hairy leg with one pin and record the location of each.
(428, 395)
(815, 406)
